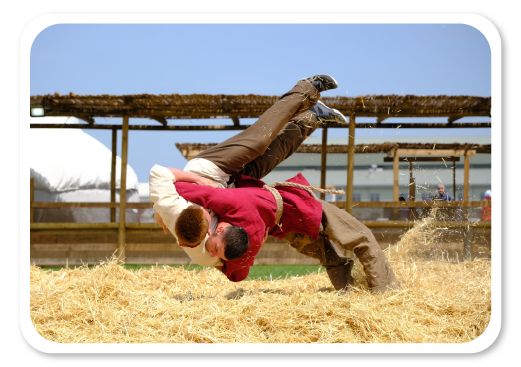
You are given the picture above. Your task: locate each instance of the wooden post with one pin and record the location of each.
(323, 163)
(396, 191)
(454, 179)
(412, 191)
(350, 164)
(123, 191)
(396, 171)
(113, 174)
(411, 181)
(468, 254)
(466, 183)
(350, 169)
(32, 199)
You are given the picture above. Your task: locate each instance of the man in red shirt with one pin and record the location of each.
(255, 152)
(307, 224)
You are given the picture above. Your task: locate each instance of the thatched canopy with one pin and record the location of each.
(196, 106)
(188, 150)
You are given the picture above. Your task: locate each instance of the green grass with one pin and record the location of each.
(269, 272)
(258, 272)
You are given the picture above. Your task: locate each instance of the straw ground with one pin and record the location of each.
(440, 302)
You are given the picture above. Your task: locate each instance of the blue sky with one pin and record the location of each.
(264, 59)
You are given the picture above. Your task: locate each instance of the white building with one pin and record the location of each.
(68, 165)
(373, 178)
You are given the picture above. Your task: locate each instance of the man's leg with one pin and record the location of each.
(233, 154)
(351, 234)
(290, 138)
(338, 267)
(285, 144)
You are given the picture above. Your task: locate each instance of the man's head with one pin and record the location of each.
(488, 195)
(192, 225)
(228, 242)
(441, 189)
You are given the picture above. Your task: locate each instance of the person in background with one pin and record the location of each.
(442, 195)
(486, 211)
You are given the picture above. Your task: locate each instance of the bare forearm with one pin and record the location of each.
(184, 176)
(192, 177)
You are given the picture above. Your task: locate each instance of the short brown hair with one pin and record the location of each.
(191, 226)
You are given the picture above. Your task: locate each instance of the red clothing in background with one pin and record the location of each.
(486, 213)
(254, 208)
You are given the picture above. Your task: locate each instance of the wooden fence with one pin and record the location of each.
(72, 244)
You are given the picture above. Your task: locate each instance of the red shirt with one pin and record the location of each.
(486, 214)
(254, 208)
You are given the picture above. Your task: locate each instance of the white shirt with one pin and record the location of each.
(207, 169)
(169, 204)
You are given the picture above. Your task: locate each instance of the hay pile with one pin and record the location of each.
(440, 302)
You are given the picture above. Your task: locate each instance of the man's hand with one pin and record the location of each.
(266, 235)
(206, 182)
(159, 221)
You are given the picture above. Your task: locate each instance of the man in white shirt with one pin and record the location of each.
(254, 152)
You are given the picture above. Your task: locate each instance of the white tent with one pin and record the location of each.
(68, 165)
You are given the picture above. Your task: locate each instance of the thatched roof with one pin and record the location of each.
(188, 150)
(174, 106)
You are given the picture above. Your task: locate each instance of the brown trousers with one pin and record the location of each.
(270, 140)
(350, 234)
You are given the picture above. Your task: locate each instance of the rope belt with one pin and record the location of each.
(278, 199)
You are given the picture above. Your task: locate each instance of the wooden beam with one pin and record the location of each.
(358, 204)
(114, 226)
(54, 205)
(381, 118)
(433, 152)
(323, 163)
(123, 191)
(350, 164)
(415, 204)
(336, 125)
(408, 223)
(32, 200)
(423, 159)
(160, 119)
(143, 226)
(74, 226)
(114, 148)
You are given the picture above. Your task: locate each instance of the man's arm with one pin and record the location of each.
(159, 221)
(168, 205)
(191, 177)
(265, 235)
(167, 202)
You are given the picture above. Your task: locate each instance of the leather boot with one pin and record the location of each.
(340, 276)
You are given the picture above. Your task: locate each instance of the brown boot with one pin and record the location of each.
(340, 276)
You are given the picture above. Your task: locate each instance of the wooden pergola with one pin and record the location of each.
(396, 152)
(162, 108)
